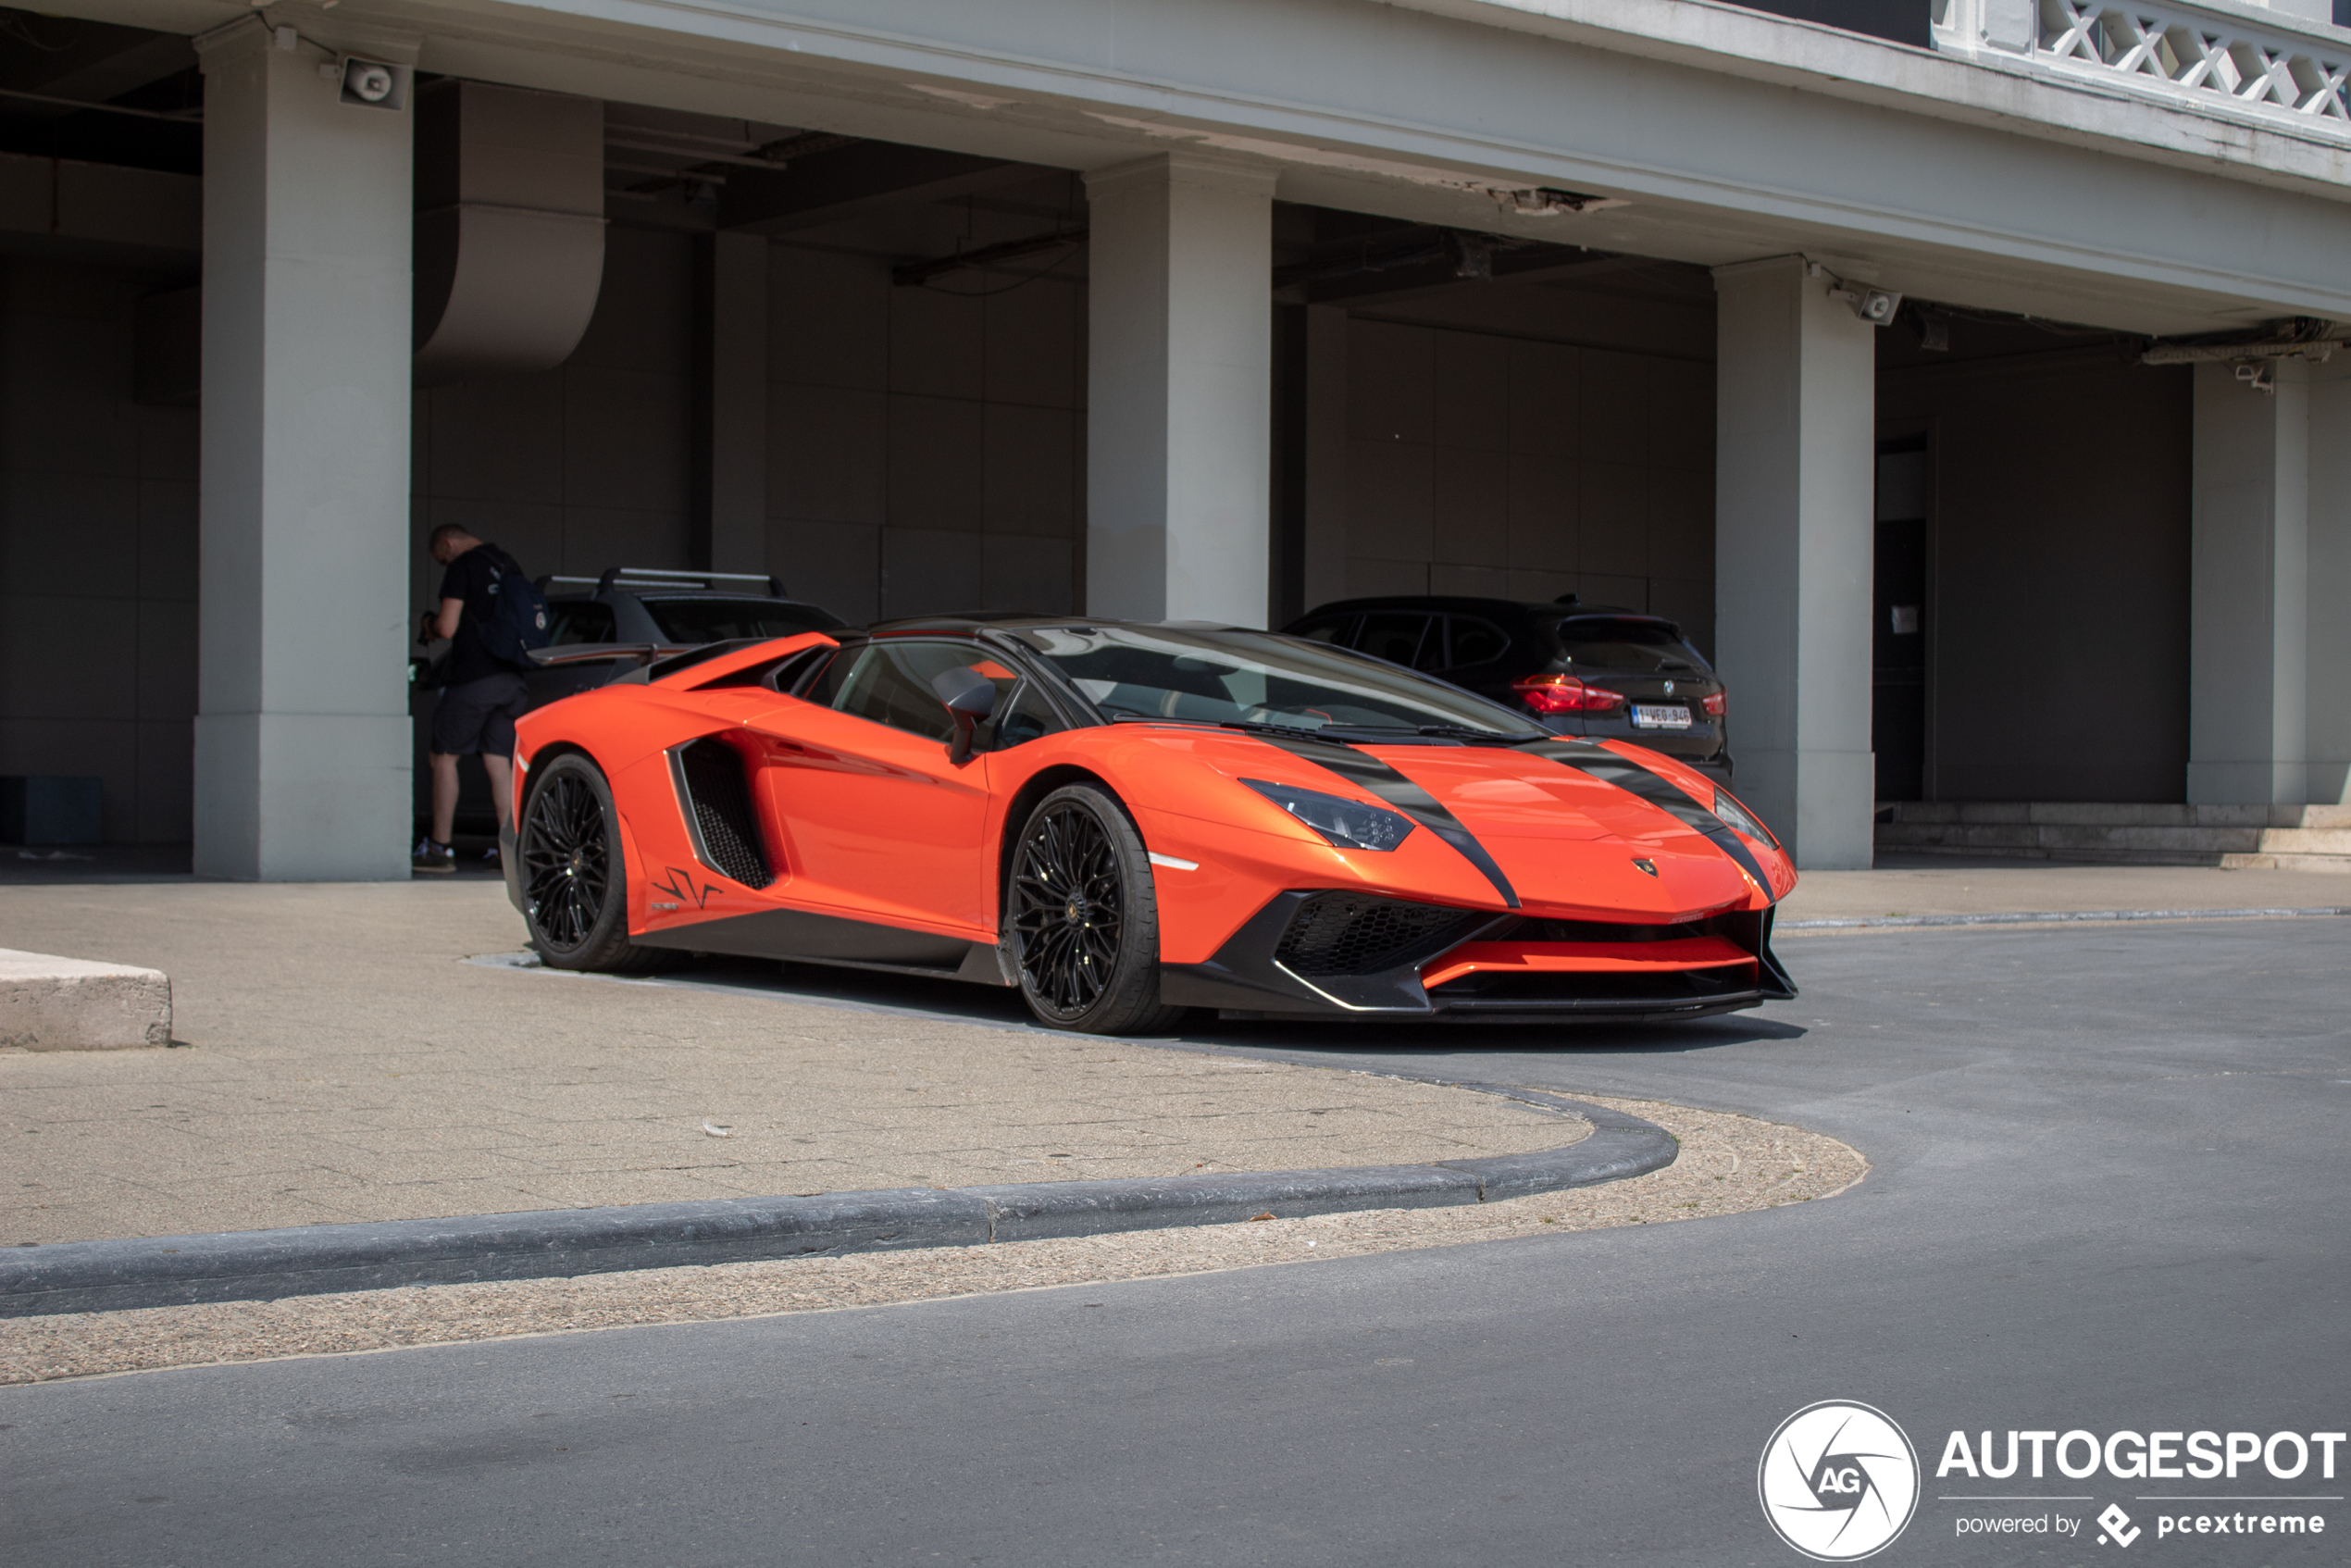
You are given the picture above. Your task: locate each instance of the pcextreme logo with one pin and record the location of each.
(1839, 1481)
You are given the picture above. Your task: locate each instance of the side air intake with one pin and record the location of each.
(1355, 934)
(715, 798)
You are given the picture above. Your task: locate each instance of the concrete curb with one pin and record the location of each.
(80, 1277)
(51, 1003)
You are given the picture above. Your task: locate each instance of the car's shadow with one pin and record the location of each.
(989, 1006)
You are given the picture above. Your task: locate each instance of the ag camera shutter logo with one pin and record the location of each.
(1839, 1481)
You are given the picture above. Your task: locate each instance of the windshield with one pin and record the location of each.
(1219, 676)
(1628, 645)
(719, 620)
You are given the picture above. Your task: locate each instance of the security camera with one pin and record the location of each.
(372, 84)
(1876, 306)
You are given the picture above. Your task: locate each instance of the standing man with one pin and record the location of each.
(481, 694)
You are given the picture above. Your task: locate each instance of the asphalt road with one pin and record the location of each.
(2108, 1194)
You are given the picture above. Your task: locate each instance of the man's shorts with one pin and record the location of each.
(479, 717)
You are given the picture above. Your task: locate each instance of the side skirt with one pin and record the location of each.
(798, 936)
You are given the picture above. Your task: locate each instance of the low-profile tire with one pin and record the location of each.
(1081, 917)
(574, 874)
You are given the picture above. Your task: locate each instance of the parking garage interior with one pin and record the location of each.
(861, 366)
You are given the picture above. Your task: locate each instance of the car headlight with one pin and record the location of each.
(1743, 819)
(1345, 824)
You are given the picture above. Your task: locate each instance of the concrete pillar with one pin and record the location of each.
(1325, 575)
(2327, 733)
(2249, 610)
(1179, 359)
(1796, 397)
(302, 734)
(730, 512)
(2270, 651)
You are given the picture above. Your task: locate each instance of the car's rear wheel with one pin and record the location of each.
(575, 877)
(1081, 921)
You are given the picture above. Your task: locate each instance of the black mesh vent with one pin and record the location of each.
(1355, 934)
(720, 800)
(1601, 931)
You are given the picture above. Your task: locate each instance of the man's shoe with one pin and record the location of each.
(430, 856)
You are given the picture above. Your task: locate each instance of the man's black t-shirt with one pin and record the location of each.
(470, 577)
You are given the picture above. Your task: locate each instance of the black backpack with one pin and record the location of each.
(517, 618)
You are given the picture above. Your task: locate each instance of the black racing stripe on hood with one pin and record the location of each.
(1610, 767)
(1377, 777)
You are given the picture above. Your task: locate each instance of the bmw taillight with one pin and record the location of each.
(1715, 705)
(1565, 694)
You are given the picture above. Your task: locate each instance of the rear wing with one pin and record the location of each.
(600, 652)
(635, 578)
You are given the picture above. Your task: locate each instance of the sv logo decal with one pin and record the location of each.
(681, 887)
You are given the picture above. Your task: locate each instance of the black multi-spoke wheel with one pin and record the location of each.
(575, 886)
(1081, 920)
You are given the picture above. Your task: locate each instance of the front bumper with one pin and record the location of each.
(1305, 955)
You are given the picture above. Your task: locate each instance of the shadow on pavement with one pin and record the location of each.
(98, 864)
(989, 1006)
(42, 866)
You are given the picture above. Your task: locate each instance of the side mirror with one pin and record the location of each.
(970, 697)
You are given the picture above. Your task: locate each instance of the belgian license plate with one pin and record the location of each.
(1660, 718)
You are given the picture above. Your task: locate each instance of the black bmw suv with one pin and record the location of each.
(1593, 670)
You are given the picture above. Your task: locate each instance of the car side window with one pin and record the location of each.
(889, 682)
(1029, 717)
(819, 680)
(1327, 629)
(1395, 636)
(579, 620)
(1474, 642)
(784, 674)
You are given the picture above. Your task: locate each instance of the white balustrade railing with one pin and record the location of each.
(2186, 53)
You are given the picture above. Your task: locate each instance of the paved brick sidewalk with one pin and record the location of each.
(344, 1063)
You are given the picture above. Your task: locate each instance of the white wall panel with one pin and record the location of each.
(98, 551)
(835, 565)
(1030, 476)
(828, 453)
(587, 466)
(1470, 503)
(2058, 597)
(1485, 464)
(935, 461)
(926, 454)
(827, 319)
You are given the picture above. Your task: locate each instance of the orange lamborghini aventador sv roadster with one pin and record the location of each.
(1128, 821)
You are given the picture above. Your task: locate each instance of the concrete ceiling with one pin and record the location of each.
(1423, 119)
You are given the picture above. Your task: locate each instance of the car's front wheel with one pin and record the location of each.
(1081, 921)
(574, 876)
